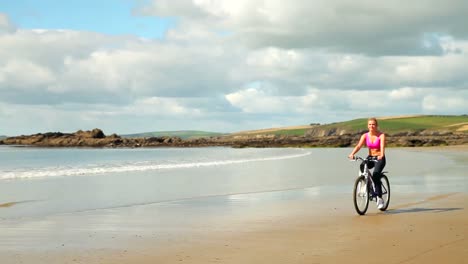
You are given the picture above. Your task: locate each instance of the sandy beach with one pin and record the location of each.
(430, 231)
(304, 225)
(421, 230)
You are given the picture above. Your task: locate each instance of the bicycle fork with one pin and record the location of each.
(368, 179)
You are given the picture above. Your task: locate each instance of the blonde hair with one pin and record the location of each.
(373, 119)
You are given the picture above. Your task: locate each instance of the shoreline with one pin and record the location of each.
(455, 147)
(97, 139)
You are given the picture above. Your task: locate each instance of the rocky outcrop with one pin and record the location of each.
(350, 140)
(95, 133)
(335, 138)
(321, 132)
(94, 138)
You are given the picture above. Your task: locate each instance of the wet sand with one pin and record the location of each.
(428, 229)
(454, 148)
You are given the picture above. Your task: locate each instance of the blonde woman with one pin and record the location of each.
(375, 142)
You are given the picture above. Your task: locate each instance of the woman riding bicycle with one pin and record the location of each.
(375, 141)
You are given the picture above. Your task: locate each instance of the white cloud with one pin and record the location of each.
(345, 26)
(6, 26)
(438, 71)
(98, 67)
(24, 75)
(441, 103)
(156, 106)
(403, 93)
(275, 58)
(253, 100)
(238, 64)
(168, 8)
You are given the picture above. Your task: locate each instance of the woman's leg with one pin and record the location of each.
(377, 175)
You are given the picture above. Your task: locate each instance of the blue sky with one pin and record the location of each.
(134, 66)
(104, 16)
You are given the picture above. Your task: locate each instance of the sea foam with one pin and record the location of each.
(61, 171)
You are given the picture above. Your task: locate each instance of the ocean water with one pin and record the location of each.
(37, 182)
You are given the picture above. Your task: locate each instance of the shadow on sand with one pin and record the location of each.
(419, 209)
(404, 208)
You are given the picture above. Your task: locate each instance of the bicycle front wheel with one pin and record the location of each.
(361, 195)
(385, 192)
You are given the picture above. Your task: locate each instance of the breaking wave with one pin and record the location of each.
(129, 167)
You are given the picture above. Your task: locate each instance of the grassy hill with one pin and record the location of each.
(415, 123)
(184, 134)
(386, 124)
(293, 130)
(390, 125)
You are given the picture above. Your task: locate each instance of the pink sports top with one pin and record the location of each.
(373, 145)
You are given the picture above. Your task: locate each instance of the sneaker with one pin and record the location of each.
(380, 203)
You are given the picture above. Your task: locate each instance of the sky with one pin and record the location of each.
(130, 66)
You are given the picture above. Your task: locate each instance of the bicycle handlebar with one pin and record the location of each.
(356, 158)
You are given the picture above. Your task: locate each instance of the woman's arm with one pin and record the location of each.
(382, 147)
(358, 146)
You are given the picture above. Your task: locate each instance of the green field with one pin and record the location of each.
(447, 123)
(392, 125)
(184, 134)
(289, 132)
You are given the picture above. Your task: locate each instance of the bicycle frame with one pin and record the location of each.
(368, 176)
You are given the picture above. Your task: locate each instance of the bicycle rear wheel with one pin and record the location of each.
(361, 195)
(385, 192)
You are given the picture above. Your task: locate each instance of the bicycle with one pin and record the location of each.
(364, 188)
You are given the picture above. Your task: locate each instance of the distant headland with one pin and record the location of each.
(403, 131)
